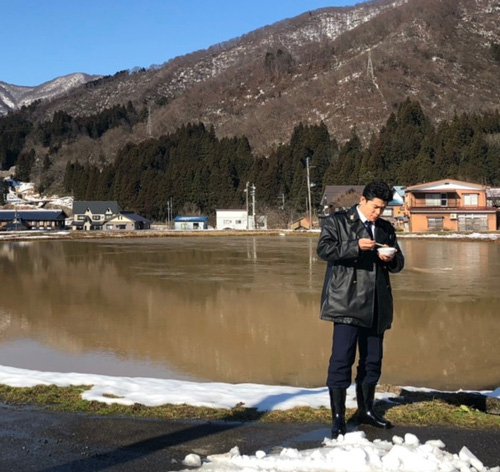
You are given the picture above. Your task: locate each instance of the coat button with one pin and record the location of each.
(354, 281)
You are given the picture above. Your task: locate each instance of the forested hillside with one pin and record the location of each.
(200, 172)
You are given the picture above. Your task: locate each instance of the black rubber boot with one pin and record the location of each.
(365, 396)
(337, 403)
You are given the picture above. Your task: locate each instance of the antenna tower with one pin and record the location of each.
(369, 68)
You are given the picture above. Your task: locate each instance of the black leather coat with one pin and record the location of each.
(353, 277)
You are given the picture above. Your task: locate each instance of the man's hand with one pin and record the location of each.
(387, 257)
(366, 244)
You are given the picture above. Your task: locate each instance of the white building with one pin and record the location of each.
(233, 219)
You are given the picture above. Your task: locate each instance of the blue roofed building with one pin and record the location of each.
(190, 223)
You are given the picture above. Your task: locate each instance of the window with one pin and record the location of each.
(96, 217)
(431, 199)
(472, 223)
(109, 226)
(436, 199)
(471, 199)
(435, 223)
(388, 212)
(80, 217)
(227, 222)
(238, 222)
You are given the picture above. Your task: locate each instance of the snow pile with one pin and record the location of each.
(353, 453)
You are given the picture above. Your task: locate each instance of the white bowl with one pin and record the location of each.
(386, 251)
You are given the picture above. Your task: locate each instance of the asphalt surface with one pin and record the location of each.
(43, 441)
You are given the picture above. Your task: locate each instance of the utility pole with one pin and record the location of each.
(282, 198)
(169, 210)
(253, 206)
(309, 206)
(246, 195)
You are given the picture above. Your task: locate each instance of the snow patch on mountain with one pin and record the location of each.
(13, 97)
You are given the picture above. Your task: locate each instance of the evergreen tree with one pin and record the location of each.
(14, 128)
(350, 157)
(372, 165)
(3, 192)
(24, 165)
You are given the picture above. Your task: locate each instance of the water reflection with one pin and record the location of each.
(238, 309)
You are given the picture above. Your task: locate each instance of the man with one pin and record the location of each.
(357, 298)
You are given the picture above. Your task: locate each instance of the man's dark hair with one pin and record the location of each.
(378, 190)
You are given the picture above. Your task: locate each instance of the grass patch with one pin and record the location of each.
(439, 412)
(418, 411)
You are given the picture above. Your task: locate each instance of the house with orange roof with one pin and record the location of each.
(449, 205)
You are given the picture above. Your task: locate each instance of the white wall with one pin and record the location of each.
(233, 219)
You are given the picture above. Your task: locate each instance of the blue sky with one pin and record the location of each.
(44, 39)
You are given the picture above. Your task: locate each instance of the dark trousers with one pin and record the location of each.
(346, 340)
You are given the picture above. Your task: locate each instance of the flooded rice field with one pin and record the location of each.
(239, 309)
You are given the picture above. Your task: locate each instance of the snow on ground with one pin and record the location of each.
(471, 236)
(352, 452)
(31, 234)
(154, 392)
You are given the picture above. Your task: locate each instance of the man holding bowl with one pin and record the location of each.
(361, 250)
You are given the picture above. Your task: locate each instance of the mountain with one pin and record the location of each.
(13, 97)
(349, 68)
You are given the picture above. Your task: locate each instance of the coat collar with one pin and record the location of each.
(353, 214)
(355, 222)
(354, 219)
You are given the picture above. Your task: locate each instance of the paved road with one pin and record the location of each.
(34, 440)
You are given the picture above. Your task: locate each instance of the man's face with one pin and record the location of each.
(372, 209)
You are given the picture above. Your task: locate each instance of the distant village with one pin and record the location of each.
(442, 205)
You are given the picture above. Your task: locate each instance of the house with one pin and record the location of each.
(127, 221)
(394, 211)
(493, 197)
(12, 220)
(301, 224)
(233, 219)
(189, 223)
(449, 205)
(338, 197)
(93, 215)
(106, 215)
(261, 222)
